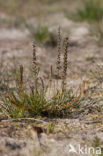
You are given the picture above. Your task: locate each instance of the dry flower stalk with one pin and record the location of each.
(34, 61)
(65, 62)
(59, 52)
(20, 81)
(35, 66)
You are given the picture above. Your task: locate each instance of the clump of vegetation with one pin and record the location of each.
(92, 11)
(39, 33)
(24, 103)
(42, 35)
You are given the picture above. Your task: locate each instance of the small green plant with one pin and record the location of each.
(50, 128)
(40, 33)
(96, 142)
(92, 11)
(24, 103)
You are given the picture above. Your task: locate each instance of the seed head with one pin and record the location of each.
(34, 60)
(59, 52)
(65, 62)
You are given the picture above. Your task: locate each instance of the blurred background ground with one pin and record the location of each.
(23, 21)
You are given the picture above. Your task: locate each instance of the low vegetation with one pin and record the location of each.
(92, 11)
(42, 35)
(39, 100)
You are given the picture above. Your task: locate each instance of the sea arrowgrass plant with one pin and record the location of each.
(65, 62)
(24, 103)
